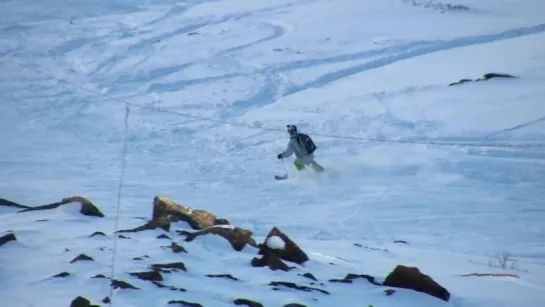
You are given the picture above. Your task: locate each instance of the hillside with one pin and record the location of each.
(429, 121)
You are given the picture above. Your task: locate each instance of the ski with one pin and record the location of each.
(281, 177)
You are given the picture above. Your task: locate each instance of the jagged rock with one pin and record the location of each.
(389, 291)
(247, 302)
(153, 224)
(80, 302)
(401, 241)
(160, 285)
(184, 303)
(122, 284)
(99, 276)
(9, 203)
(149, 276)
(411, 278)
(229, 276)
(87, 207)
(82, 257)
(291, 251)
(106, 300)
(6, 238)
(163, 236)
(63, 274)
(350, 277)
(169, 267)
(297, 287)
(309, 276)
(123, 237)
(173, 212)
(294, 305)
(238, 237)
(98, 233)
(270, 260)
(42, 220)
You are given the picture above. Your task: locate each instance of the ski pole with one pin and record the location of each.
(285, 167)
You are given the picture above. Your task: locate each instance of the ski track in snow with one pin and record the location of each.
(457, 206)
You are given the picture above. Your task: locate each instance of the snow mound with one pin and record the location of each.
(275, 242)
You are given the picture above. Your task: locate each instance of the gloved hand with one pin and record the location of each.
(280, 156)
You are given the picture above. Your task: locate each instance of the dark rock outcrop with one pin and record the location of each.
(149, 276)
(296, 286)
(411, 278)
(294, 305)
(63, 274)
(99, 276)
(97, 233)
(177, 248)
(270, 260)
(172, 288)
(371, 248)
(350, 277)
(82, 257)
(163, 236)
(237, 237)
(164, 208)
(140, 258)
(291, 251)
(80, 302)
(247, 302)
(9, 203)
(87, 207)
(6, 238)
(169, 267)
(184, 303)
(485, 77)
(151, 225)
(122, 285)
(309, 276)
(389, 291)
(228, 276)
(401, 242)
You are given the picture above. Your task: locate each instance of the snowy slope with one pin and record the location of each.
(422, 168)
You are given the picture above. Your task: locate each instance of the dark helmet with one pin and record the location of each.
(292, 129)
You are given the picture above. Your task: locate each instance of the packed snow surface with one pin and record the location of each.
(201, 91)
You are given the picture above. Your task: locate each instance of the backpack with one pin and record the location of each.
(306, 143)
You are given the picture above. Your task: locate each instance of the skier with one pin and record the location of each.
(303, 147)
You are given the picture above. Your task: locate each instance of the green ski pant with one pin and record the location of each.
(315, 166)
